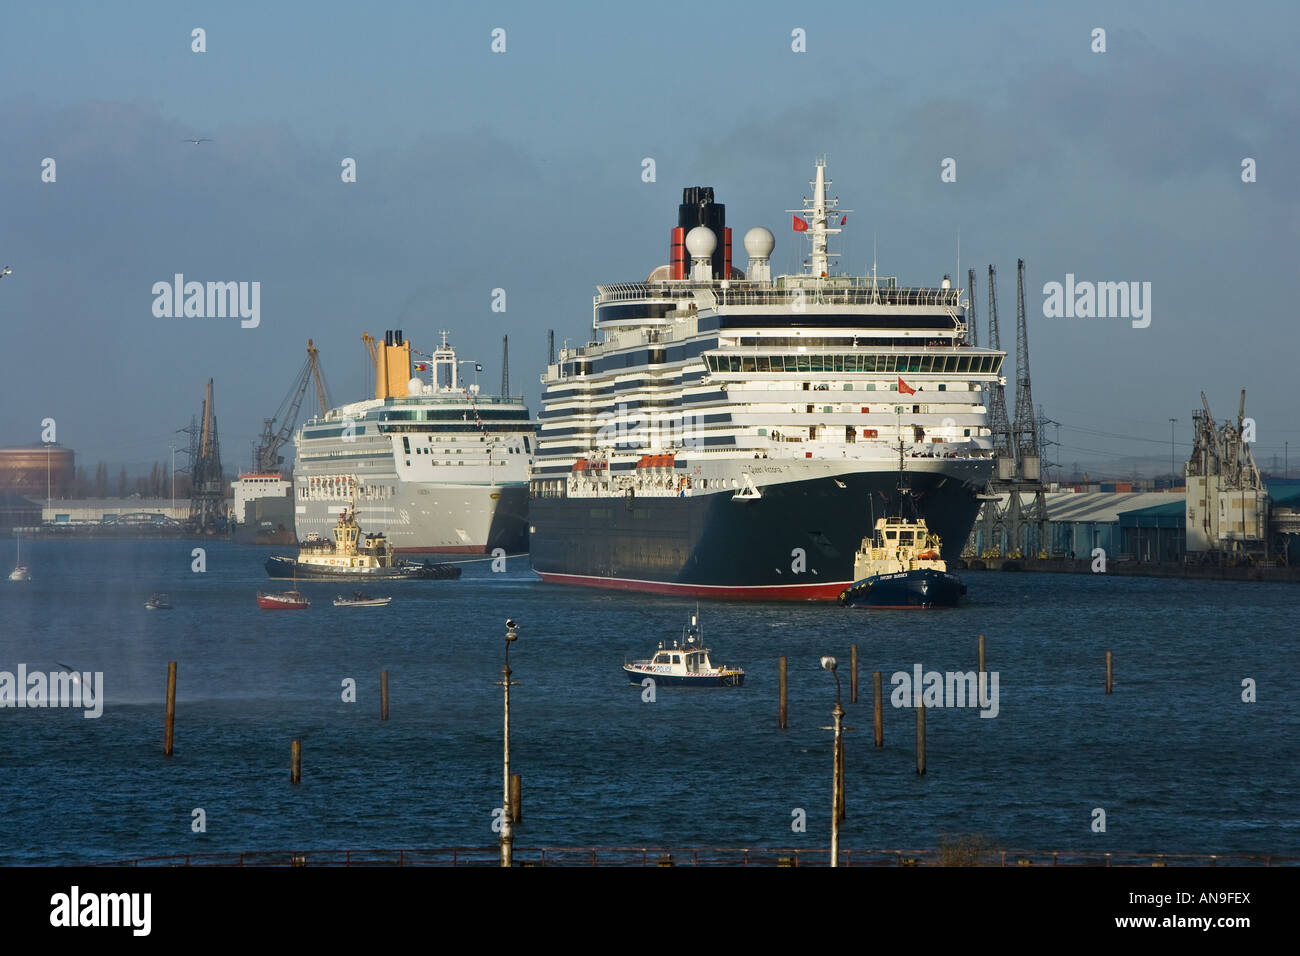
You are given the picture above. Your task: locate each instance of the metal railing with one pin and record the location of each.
(838, 290)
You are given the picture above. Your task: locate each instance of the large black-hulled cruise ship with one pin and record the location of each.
(734, 435)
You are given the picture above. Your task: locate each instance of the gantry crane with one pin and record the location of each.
(266, 457)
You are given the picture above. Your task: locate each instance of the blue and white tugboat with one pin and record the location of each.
(901, 565)
(684, 663)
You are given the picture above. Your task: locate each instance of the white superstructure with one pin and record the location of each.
(434, 464)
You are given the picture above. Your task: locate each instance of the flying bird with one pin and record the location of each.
(196, 141)
(76, 676)
(5, 271)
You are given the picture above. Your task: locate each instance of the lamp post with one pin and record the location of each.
(172, 445)
(507, 830)
(829, 663)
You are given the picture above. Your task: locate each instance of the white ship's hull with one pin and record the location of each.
(435, 472)
(432, 518)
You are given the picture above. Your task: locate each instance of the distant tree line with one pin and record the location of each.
(157, 484)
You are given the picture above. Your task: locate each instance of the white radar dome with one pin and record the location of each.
(700, 242)
(415, 386)
(759, 243)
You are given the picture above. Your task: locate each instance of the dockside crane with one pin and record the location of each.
(373, 369)
(266, 457)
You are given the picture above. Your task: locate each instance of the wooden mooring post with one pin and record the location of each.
(853, 677)
(879, 709)
(839, 775)
(295, 761)
(1110, 674)
(781, 713)
(920, 739)
(516, 798)
(383, 695)
(169, 721)
(981, 670)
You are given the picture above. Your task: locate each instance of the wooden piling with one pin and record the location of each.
(879, 709)
(516, 798)
(839, 775)
(295, 761)
(853, 678)
(1109, 672)
(169, 722)
(981, 654)
(383, 695)
(920, 739)
(781, 712)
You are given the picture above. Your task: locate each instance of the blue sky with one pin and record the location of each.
(522, 171)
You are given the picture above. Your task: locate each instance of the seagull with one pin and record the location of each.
(196, 141)
(76, 676)
(5, 271)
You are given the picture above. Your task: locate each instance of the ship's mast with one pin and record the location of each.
(817, 212)
(445, 370)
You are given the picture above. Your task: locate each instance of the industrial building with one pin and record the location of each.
(80, 511)
(1152, 527)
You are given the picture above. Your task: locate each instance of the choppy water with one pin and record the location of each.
(1175, 758)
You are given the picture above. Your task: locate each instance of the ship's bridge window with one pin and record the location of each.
(661, 658)
(905, 538)
(891, 535)
(677, 658)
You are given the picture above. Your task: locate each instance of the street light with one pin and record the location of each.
(172, 445)
(507, 831)
(829, 663)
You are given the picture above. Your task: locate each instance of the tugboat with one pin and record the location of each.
(284, 601)
(352, 556)
(900, 566)
(685, 663)
(360, 600)
(158, 602)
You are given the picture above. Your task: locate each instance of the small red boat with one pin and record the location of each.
(285, 601)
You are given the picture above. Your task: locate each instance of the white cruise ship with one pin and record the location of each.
(731, 434)
(433, 464)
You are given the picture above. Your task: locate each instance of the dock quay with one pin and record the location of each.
(1127, 566)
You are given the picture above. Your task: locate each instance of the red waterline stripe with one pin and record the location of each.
(788, 592)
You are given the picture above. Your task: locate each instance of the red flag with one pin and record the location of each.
(799, 224)
(843, 220)
(905, 389)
